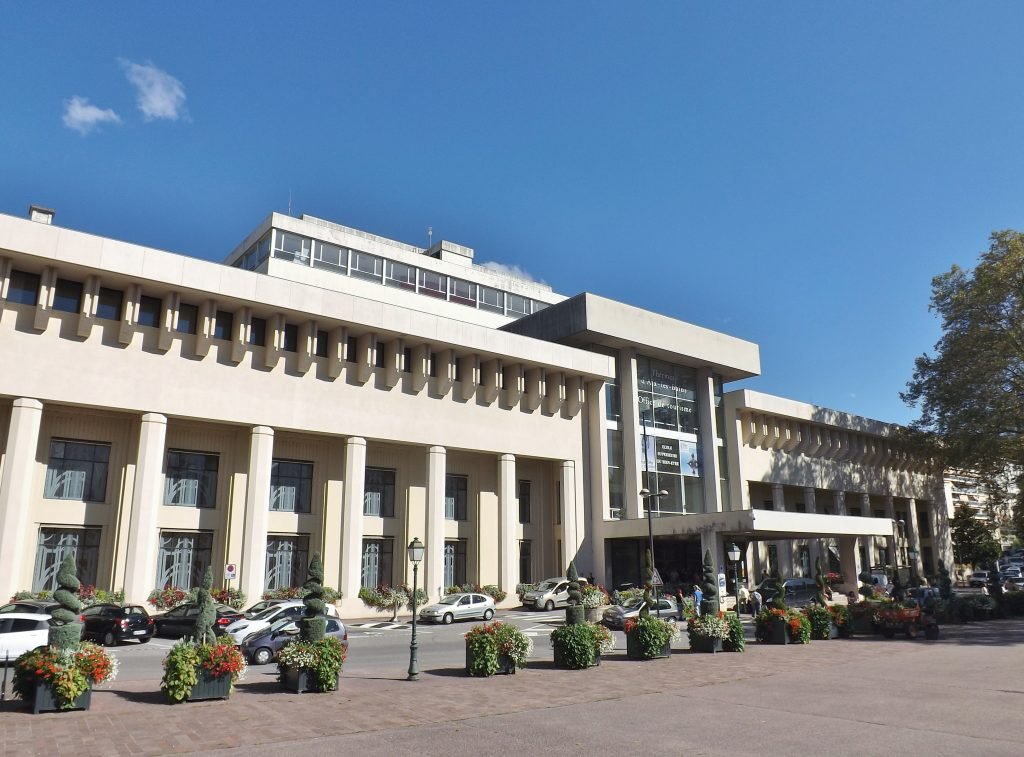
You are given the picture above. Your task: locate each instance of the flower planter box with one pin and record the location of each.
(506, 665)
(301, 680)
(704, 644)
(833, 631)
(863, 625)
(45, 701)
(597, 659)
(208, 687)
(778, 632)
(635, 652)
(596, 614)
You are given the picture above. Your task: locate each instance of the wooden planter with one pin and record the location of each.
(863, 625)
(778, 632)
(301, 680)
(45, 701)
(635, 652)
(704, 644)
(208, 687)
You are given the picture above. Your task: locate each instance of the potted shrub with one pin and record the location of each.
(799, 628)
(496, 648)
(595, 599)
(313, 662)
(202, 667)
(580, 645)
(648, 637)
(842, 620)
(771, 626)
(707, 632)
(821, 622)
(60, 676)
(735, 641)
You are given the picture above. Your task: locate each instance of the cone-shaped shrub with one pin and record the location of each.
(779, 600)
(66, 629)
(574, 613)
(645, 611)
(822, 584)
(709, 604)
(314, 624)
(203, 629)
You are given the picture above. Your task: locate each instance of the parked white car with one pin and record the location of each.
(261, 621)
(459, 607)
(22, 632)
(549, 594)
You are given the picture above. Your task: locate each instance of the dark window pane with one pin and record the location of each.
(321, 343)
(24, 288)
(258, 332)
(291, 486)
(110, 304)
(351, 347)
(67, 296)
(224, 326)
(150, 309)
(188, 318)
(291, 337)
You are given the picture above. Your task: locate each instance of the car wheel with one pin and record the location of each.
(262, 656)
(448, 618)
(549, 605)
(109, 640)
(145, 639)
(488, 614)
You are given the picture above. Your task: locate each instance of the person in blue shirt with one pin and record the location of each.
(698, 595)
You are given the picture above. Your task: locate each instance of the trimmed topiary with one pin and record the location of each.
(314, 624)
(575, 612)
(203, 630)
(66, 629)
(709, 604)
(822, 584)
(779, 600)
(645, 611)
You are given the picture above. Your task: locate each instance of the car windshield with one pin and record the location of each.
(633, 603)
(547, 586)
(266, 614)
(282, 623)
(451, 599)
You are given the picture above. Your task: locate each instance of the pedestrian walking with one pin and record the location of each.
(698, 595)
(755, 601)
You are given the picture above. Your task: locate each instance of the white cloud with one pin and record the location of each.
(509, 270)
(83, 116)
(157, 93)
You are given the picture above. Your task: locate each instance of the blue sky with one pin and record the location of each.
(792, 174)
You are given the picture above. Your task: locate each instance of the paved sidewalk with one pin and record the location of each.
(862, 696)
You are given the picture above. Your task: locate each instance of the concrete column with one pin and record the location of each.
(813, 544)
(508, 509)
(914, 537)
(710, 472)
(778, 498)
(352, 518)
(631, 424)
(848, 562)
(868, 542)
(839, 502)
(257, 511)
(571, 532)
(892, 542)
(433, 574)
(785, 546)
(147, 496)
(16, 495)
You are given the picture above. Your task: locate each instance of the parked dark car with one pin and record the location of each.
(113, 624)
(799, 591)
(35, 606)
(262, 646)
(180, 620)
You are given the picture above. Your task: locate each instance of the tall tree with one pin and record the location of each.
(971, 391)
(973, 543)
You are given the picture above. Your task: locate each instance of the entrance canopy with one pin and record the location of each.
(762, 525)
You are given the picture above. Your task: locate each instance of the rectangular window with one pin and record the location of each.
(291, 337)
(77, 471)
(376, 562)
(23, 288)
(517, 304)
(110, 304)
(432, 368)
(463, 292)
(183, 558)
(379, 493)
(454, 562)
(400, 275)
(773, 559)
(855, 511)
(407, 360)
(331, 256)
(287, 561)
(378, 354)
(492, 299)
(293, 247)
(558, 503)
(524, 501)
(258, 332)
(321, 343)
(191, 479)
(291, 486)
(55, 544)
(456, 494)
(150, 309)
(67, 296)
(525, 562)
(224, 326)
(351, 346)
(366, 266)
(188, 319)
(922, 523)
(433, 284)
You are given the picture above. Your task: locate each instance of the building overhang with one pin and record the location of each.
(755, 525)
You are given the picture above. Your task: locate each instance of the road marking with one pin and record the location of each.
(382, 626)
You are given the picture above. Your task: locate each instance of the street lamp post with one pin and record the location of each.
(733, 553)
(647, 496)
(415, 552)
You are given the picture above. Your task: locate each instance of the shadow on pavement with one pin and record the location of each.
(150, 696)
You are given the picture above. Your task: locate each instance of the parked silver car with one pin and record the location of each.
(617, 616)
(459, 607)
(549, 594)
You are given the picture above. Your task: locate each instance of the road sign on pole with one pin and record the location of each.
(230, 571)
(656, 579)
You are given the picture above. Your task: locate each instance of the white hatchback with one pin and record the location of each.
(22, 632)
(293, 609)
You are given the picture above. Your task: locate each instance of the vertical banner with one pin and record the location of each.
(689, 458)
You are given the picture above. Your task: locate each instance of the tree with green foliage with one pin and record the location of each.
(971, 391)
(973, 542)
(574, 612)
(709, 602)
(945, 583)
(203, 630)
(645, 611)
(66, 627)
(821, 597)
(314, 622)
